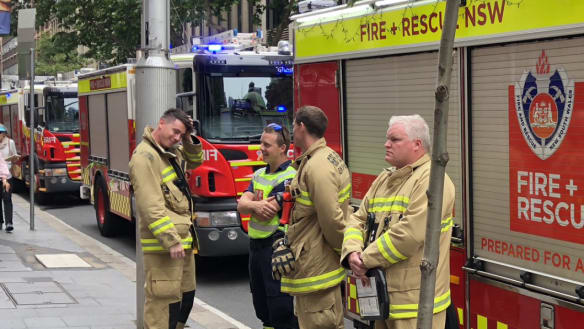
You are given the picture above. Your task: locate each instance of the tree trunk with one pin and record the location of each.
(437, 172)
(285, 21)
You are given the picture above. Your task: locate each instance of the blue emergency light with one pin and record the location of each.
(281, 108)
(215, 48)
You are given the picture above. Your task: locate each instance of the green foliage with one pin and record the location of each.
(53, 57)
(110, 29)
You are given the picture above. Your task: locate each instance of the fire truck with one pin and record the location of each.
(56, 134)
(214, 83)
(515, 136)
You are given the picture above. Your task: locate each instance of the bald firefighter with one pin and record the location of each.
(263, 200)
(397, 200)
(308, 257)
(165, 214)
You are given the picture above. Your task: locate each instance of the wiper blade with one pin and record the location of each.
(255, 138)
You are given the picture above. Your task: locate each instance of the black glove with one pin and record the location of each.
(282, 259)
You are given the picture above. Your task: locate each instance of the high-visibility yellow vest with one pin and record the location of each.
(265, 183)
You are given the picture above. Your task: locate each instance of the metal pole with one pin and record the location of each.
(140, 279)
(31, 106)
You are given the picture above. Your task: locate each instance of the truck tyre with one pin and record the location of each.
(106, 221)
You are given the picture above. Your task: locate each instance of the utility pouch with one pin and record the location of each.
(374, 299)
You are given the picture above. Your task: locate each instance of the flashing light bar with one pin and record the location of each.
(281, 108)
(214, 48)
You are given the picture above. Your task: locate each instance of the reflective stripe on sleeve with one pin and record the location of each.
(314, 283)
(446, 224)
(345, 193)
(154, 244)
(304, 198)
(388, 250)
(161, 225)
(193, 157)
(353, 234)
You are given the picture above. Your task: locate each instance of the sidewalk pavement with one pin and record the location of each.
(100, 296)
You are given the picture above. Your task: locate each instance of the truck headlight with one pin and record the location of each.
(55, 171)
(217, 219)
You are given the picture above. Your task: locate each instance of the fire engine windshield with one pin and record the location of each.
(238, 108)
(62, 114)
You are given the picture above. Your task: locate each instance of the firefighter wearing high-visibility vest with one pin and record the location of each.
(308, 258)
(165, 215)
(274, 308)
(398, 200)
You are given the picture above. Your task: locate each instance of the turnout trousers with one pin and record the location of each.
(321, 309)
(274, 308)
(169, 290)
(438, 322)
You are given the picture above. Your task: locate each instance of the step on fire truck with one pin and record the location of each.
(214, 83)
(56, 134)
(515, 137)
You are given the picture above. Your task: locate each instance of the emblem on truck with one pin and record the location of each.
(544, 101)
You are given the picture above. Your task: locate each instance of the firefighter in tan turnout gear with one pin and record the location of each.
(165, 214)
(308, 257)
(397, 199)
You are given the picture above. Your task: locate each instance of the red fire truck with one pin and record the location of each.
(514, 136)
(213, 85)
(56, 132)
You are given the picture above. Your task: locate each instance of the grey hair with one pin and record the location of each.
(416, 128)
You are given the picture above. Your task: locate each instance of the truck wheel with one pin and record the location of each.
(106, 221)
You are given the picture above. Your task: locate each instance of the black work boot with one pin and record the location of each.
(9, 228)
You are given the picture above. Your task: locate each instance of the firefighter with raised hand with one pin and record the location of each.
(263, 200)
(165, 216)
(308, 258)
(397, 199)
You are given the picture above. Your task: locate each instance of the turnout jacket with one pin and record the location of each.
(399, 202)
(322, 189)
(165, 213)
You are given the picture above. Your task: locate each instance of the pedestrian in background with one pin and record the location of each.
(308, 259)
(274, 308)
(398, 201)
(165, 216)
(8, 154)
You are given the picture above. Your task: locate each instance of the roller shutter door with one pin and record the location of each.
(496, 72)
(378, 88)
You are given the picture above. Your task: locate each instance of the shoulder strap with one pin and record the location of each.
(181, 182)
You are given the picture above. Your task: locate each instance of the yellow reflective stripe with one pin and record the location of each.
(446, 224)
(314, 283)
(168, 174)
(399, 198)
(352, 234)
(154, 244)
(246, 163)
(460, 316)
(501, 325)
(345, 193)
(405, 311)
(481, 322)
(161, 225)
(304, 198)
(395, 203)
(187, 243)
(194, 156)
(388, 250)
